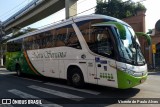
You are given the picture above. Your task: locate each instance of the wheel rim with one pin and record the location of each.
(76, 78)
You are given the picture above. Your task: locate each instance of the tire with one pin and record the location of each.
(18, 70)
(76, 78)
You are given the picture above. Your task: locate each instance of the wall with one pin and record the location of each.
(137, 22)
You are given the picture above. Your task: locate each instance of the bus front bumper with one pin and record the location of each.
(126, 80)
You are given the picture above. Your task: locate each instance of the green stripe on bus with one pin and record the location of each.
(30, 64)
(12, 58)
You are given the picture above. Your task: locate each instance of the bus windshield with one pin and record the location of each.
(131, 49)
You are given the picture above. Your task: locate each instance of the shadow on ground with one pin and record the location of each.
(107, 97)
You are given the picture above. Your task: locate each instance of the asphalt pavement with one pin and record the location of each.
(49, 92)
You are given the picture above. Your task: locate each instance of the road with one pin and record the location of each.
(56, 93)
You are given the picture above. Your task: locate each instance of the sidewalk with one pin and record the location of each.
(2, 68)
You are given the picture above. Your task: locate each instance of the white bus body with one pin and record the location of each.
(77, 59)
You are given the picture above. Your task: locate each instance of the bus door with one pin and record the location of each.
(105, 63)
(106, 71)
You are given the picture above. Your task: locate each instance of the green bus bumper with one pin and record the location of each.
(128, 81)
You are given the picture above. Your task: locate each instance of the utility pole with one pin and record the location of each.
(2, 33)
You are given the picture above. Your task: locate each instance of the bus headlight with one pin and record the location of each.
(122, 69)
(130, 72)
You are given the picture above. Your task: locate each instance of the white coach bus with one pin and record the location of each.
(94, 49)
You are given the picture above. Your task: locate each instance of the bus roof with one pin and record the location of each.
(98, 16)
(69, 21)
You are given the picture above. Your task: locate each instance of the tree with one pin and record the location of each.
(118, 8)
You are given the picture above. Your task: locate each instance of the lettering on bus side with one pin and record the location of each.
(49, 54)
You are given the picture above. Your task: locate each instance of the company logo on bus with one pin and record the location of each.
(49, 54)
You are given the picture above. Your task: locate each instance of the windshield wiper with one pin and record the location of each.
(129, 60)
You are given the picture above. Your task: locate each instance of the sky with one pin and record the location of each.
(9, 7)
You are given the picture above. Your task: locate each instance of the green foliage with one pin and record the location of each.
(118, 8)
(140, 7)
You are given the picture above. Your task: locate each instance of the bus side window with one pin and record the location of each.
(53, 38)
(60, 36)
(72, 39)
(103, 41)
(14, 46)
(99, 41)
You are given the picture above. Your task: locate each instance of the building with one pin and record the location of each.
(155, 44)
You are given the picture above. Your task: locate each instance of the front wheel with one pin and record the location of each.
(77, 79)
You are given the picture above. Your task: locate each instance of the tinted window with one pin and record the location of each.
(97, 38)
(63, 36)
(14, 46)
(72, 39)
(100, 41)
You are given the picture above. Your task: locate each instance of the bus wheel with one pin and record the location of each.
(18, 70)
(77, 79)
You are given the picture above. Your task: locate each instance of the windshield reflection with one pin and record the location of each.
(131, 48)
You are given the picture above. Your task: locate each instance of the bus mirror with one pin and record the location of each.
(119, 26)
(148, 38)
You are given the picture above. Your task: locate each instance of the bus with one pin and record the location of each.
(94, 49)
